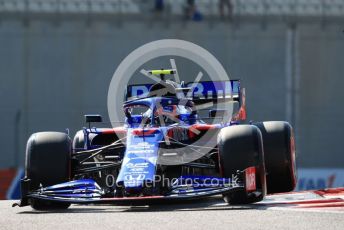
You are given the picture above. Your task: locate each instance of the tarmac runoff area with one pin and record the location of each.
(303, 210)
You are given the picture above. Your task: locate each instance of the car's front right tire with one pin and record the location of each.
(48, 158)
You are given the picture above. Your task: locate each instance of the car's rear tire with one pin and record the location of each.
(279, 153)
(241, 147)
(48, 158)
(78, 141)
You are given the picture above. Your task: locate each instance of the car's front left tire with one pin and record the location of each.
(241, 147)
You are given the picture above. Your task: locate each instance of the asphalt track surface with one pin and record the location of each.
(211, 213)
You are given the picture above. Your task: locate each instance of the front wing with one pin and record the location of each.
(87, 191)
(136, 200)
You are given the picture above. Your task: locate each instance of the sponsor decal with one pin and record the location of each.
(201, 90)
(313, 179)
(250, 179)
(137, 165)
(136, 177)
(142, 145)
(143, 151)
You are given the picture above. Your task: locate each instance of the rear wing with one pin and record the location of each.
(200, 92)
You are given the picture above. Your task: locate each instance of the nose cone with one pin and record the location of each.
(139, 162)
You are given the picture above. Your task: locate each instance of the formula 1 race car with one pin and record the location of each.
(165, 151)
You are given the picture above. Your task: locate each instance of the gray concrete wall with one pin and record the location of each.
(50, 75)
(321, 115)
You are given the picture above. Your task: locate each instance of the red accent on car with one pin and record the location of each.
(114, 130)
(141, 132)
(202, 127)
(191, 134)
(240, 115)
(199, 127)
(250, 179)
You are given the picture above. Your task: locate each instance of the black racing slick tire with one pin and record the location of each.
(241, 147)
(48, 158)
(78, 141)
(279, 152)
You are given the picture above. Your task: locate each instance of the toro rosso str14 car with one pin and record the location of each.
(165, 151)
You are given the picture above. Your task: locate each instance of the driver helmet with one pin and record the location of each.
(168, 111)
